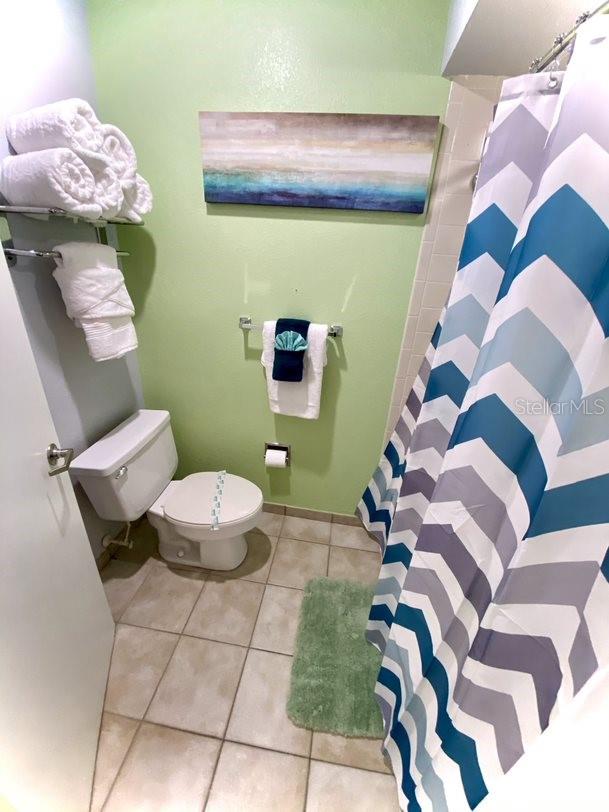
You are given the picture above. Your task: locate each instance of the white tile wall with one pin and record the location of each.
(468, 114)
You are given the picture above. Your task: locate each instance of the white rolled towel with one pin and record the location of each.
(70, 123)
(120, 152)
(138, 199)
(50, 178)
(108, 187)
(93, 290)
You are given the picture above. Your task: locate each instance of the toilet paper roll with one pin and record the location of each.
(274, 458)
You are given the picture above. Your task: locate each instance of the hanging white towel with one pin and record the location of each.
(119, 151)
(51, 177)
(68, 123)
(138, 199)
(93, 290)
(300, 399)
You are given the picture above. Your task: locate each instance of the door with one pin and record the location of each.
(56, 630)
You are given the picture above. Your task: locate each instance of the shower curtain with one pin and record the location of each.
(491, 501)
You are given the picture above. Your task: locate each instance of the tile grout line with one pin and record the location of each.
(101, 718)
(255, 746)
(132, 598)
(232, 707)
(141, 721)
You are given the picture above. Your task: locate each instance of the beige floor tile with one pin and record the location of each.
(115, 736)
(306, 529)
(349, 790)
(354, 565)
(260, 550)
(138, 661)
(198, 688)
(165, 599)
(296, 562)
(363, 753)
(259, 715)
(255, 780)
(165, 771)
(121, 580)
(270, 523)
(355, 537)
(226, 611)
(277, 622)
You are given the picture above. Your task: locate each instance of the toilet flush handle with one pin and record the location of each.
(121, 472)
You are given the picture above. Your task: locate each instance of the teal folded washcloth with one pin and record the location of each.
(290, 340)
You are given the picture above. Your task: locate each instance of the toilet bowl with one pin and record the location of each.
(182, 517)
(129, 472)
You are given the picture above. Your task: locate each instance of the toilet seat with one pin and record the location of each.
(190, 502)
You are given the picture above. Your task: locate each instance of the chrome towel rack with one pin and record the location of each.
(50, 211)
(246, 323)
(45, 212)
(33, 252)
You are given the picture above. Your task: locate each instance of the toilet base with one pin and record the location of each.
(224, 554)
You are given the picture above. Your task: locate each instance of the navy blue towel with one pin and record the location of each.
(288, 364)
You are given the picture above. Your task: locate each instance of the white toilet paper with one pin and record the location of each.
(275, 458)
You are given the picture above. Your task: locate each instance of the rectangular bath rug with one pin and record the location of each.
(334, 669)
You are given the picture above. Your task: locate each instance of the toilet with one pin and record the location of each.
(129, 472)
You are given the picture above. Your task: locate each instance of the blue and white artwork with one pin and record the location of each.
(327, 160)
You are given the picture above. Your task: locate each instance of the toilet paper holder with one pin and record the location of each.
(279, 447)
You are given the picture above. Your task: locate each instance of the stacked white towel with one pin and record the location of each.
(137, 199)
(93, 290)
(119, 151)
(107, 153)
(300, 399)
(69, 123)
(55, 178)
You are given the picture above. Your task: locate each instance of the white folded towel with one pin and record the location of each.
(93, 290)
(138, 199)
(68, 123)
(119, 151)
(51, 177)
(296, 399)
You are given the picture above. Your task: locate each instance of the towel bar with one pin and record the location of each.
(33, 252)
(48, 211)
(246, 323)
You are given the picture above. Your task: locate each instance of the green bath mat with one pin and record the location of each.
(334, 668)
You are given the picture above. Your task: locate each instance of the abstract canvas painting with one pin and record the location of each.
(328, 160)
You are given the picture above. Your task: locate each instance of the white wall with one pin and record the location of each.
(45, 57)
(502, 37)
(458, 17)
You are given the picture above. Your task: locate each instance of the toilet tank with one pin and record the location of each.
(125, 471)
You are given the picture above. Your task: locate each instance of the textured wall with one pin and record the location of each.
(195, 269)
(46, 56)
(468, 115)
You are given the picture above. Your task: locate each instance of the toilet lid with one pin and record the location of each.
(191, 500)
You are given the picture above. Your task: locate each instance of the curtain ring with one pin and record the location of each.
(553, 80)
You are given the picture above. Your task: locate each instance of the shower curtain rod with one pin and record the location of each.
(563, 40)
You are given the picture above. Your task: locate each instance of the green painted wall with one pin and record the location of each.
(195, 268)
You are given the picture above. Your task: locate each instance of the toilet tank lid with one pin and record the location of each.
(121, 444)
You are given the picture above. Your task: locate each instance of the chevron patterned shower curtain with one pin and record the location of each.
(491, 501)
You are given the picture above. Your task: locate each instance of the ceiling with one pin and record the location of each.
(502, 37)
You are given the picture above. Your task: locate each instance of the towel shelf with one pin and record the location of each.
(55, 212)
(33, 252)
(246, 323)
